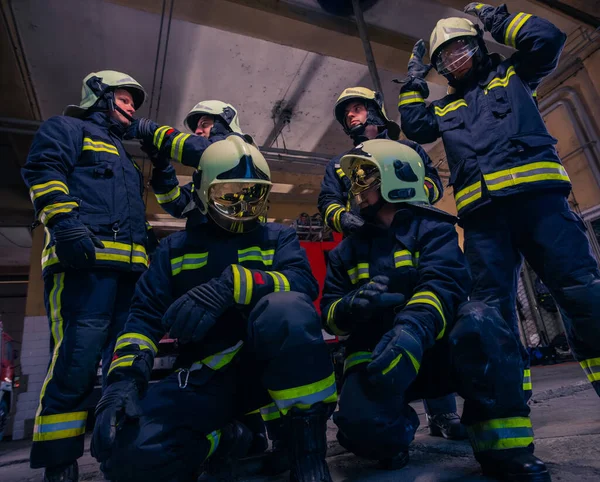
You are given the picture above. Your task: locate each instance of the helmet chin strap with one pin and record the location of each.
(103, 91)
(369, 213)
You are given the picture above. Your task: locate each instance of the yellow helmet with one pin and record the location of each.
(447, 30)
(225, 111)
(376, 111)
(95, 84)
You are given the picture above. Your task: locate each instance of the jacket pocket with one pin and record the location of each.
(532, 140)
(450, 121)
(499, 103)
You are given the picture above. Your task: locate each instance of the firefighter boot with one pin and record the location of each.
(514, 465)
(446, 425)
(277, 459)
(307, 442)
(62, 473)
(234, 443)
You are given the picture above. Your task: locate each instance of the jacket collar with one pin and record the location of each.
(103, 120)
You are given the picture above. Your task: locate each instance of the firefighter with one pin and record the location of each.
(237, 294)
(399, 291)
(208, 119)
(87, 192)
(361, 113)
(510, 187)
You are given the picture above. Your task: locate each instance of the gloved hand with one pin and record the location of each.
(142, 129)
(350, 222)
(74, 243)
(361, 303)
(484, 12)
(119, 403)
(396, 360)
(417, 69)
(192, 315)
(158, 160)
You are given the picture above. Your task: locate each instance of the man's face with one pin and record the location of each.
(124, 100)
(205, 124)
(355, 114)
(453, 51)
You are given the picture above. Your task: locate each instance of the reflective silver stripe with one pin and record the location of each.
(403, 258)
(188, 261)
(361, 271)
(169, 196)
(516, 175)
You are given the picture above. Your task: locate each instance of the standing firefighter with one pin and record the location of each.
(87, 192)
(361, 113)
(398, 289)
(510, 187)
(209, 120)
(237, 294)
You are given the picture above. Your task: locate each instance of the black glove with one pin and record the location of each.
(119, 404)
(350, 222)
(396, 360)
(142, 129)
(158, 160)
(417, 69)
(484, 12)
(192, 315)
(74, 243)
(361, 303)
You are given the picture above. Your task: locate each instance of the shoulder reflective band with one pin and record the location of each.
(48, 212)
(255, 253)
(510, 36)
(411, 97)
(188, 261)
(98, 146)
(169, 196)
(361, 271)
(452, 106)
(501, 81)
(501, 434)
(431, 299)
(534, 172)
(59, 426)
(39, 190)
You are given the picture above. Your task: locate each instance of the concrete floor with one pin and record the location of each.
(566, 419)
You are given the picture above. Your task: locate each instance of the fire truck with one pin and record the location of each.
(8, 378)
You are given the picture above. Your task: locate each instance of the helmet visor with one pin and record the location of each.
(364, 177)
(238, 200)
(455, 54)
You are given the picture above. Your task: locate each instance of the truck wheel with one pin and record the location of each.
(3, 417)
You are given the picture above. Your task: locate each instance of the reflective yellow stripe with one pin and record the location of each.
(340, 172)
(306, 395)
(442, 111)
(255, 253)
(478, 6)
(411, 97)
(213, 438)
(534, 172)
(331, 320)
(124, 361)
(510, 36)
(357, 358)
(280, 281)
(527, 380)
(361, 271)
(39, 190)
(136, 338)
(431, 299)
(269, 412)
(98, 146)
(48, 212)
(403, 258)
(242, 284)
(331, 208)
(500, 82)
(56, 329)
(177, 146)
(223, 358)
(337, 220)
(501, 434)
(591, 367)
(59, 426)
(466, 196)
(139, 255)
(395, 361)
(169, 196)
(159, 135)
(188, 261)
(436, 191)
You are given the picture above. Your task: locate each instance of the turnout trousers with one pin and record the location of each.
(284, 363)
(86, 309)
(541, 228)
(479, 359)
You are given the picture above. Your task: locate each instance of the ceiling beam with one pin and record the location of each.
(295, 26)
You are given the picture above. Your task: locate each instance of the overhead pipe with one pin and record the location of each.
(364, 37)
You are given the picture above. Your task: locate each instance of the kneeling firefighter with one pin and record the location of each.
(398, 288)
(237, 294)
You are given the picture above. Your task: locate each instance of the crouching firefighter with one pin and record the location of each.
(87, 192)
(509, 184)
(398, 288)
(361, 113)
(237, 294)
